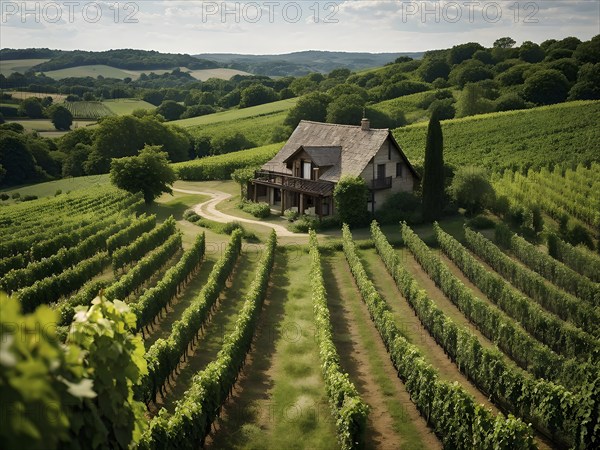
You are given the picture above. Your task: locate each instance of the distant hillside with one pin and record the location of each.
(122, 59)
(301, 63)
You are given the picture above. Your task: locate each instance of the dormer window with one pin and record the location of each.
(306, 170)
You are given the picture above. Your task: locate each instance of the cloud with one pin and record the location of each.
(189, 26)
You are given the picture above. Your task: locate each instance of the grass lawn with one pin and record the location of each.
(282, 401)
(89, 71)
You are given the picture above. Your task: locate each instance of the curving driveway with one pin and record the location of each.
(209, 211)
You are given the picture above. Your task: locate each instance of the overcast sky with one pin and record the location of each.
(270, 27)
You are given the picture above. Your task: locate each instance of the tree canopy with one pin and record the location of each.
(433, 171)
(149, 173)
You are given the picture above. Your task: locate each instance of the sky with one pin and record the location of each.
(274, 27)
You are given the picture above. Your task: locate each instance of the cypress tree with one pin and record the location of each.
(433, 172)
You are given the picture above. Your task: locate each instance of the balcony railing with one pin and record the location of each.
(286, 181)
(381, 183)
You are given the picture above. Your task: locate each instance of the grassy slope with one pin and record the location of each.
(564, 133)
(9, 66)
(237, 114)
(114, 72)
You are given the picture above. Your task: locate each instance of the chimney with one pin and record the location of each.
(365, 124)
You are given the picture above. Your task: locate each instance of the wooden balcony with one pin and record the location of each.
(381, 183)
(290, 183)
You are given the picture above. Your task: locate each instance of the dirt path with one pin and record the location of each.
(394, 421)
(209, 211)
(280, 400)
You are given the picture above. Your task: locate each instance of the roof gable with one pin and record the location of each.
(319, 140)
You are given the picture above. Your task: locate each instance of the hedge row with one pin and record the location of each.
(164, 355)
(561, 336)
(453, 414)
(582, 261)
(349, 410)
(156, 298)
(190, 423)
(553, 409)
(553, 270)
(565, 306)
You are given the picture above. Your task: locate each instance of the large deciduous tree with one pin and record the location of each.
(433, 171)
(61, 117)
(546, 87)
(149, 173)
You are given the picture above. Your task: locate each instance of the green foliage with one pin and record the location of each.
(481, 222)
(256, 94)
(350, 197)
(504, 42)
(170, 110)
(578, 259)
(398, 207)
(471, 189)
(61, 118)
(309, 107)
(200, 405)
(242, 176)
(17, 160)
(222, 166)
(260, 210)
(434, 68)
(40, 380)
(115, 360)
(433, 172)
(32, 107)
(546, 87)
(552, 405)
(346, 109)
(229, 142)
(148, 173)
(472, 101)
(564, 305)
(463, 52)
(117, 137)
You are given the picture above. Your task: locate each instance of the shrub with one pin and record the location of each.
(290, 215)
(28, 198)
(4, 197)
(260, 210)
(350, 196)
(471, 189)
(15, 196)
(191, 216)
(398, 207)
(58, 192)
(303, 224)
(481, 223)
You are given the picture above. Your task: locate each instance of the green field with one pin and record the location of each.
(19, 95)
(565, 133)
(88, 110)
(18, 65)
(66, 185)
(45, 125)
(90, 71)
(114, 72)
(125, 106)
(237, 114)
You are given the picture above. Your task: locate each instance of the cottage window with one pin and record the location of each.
(399, 170)
(306, 170)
